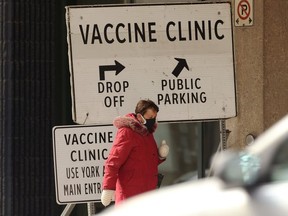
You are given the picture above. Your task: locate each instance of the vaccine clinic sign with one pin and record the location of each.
(79, 154)
(178, 55)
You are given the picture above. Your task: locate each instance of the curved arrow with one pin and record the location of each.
(180, 66)
(118, 67)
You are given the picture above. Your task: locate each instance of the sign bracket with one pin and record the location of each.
(68, 209)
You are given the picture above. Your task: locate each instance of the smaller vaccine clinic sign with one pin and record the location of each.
(178, 55)
(79, 155)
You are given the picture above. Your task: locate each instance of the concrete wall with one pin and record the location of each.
(261, 71)
(248, 42)
(275, 60)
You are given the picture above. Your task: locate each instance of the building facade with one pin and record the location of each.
(35, 97)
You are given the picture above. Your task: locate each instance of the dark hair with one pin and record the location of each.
(143, 105)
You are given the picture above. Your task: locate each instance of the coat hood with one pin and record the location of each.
(132, 122)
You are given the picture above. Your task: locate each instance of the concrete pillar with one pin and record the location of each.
(261, 71)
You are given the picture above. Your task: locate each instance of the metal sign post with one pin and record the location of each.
(223, 135)
(91, 208)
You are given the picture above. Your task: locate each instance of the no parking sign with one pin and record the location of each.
(244, 13)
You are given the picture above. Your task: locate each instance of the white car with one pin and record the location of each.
(253, 182)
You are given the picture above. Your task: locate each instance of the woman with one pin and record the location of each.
(132, 165)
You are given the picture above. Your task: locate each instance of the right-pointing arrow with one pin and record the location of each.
(180, 66)
(118, 67)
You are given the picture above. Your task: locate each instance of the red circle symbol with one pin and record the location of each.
(243, 9)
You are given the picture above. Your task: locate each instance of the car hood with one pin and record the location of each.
(202, 197)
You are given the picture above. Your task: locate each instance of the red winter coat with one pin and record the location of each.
(132, 165)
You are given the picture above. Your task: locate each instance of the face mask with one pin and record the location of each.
(149, 123)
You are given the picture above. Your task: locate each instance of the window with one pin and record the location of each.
(191, 147)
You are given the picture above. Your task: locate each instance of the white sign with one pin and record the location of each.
(180, 56)
(79, 156)
(244, 13)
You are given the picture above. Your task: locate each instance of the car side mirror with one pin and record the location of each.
(237, 168)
